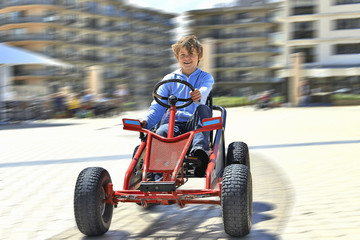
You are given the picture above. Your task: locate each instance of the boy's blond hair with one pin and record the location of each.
(190, 43)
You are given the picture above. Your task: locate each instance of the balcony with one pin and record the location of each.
(303, 10)
(244, 79)
(28, 37)
(22, 20)
(93, 58)
(246, 50)
(10, 3)
(303, 34)
(277, 38)
(212, 22)
(44, 73)
(239, 64)
(217, 35)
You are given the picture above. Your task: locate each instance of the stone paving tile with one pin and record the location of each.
(199, 221)
(300, 192)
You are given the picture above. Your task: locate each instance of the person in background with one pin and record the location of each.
(121, 95)
(73, 104)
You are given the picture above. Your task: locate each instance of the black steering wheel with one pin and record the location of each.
(172, 99)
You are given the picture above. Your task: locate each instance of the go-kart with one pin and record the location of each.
(228, 176)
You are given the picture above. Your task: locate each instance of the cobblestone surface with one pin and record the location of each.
(304, 165)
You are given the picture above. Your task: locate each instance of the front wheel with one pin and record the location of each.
(238, 152)
(92, 215)
(236, 200)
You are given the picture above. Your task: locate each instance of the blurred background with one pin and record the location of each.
(263, 52)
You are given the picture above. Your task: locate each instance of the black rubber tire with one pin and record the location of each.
(93, 217)
(236, 200)
(135, 150)
(238, 153)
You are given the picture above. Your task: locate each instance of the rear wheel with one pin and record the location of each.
(93, 217)
(238, 152)
(236, 200)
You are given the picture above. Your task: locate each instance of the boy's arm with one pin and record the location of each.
(206, 87)
(156, 111)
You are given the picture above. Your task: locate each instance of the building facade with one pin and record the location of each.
(243, 55)
(327, 33)
(121, 40)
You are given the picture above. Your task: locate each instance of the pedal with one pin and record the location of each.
(193, 160)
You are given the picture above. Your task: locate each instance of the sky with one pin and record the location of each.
(177, 6)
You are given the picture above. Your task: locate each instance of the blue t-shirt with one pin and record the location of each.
(198, 79)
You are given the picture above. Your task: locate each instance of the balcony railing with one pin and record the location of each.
(10, 3)
(45, 73)
(26, 37)
(22, 20)
(246, 50)
(85, 8)
(212, 22)
(243, 65)
(236, 35)
(303, 34)
(303, 10)
(277, 38)
(240, 79)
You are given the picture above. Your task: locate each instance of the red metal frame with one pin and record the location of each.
(179, 196)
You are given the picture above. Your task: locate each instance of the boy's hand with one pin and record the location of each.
(143, 123)
(195, 95)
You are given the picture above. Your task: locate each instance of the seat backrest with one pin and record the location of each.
(209, 103)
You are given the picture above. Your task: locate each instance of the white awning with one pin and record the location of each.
(10, 55)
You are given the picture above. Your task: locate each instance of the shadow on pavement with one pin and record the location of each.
(33, 125)
(271, 207)
(191, 222)
(65, 161)
(259, 209)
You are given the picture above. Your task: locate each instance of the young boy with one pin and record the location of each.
(188, 52)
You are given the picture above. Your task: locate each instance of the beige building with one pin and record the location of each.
(328, 35)
(243, 56)
(254, 44)
(128, 44)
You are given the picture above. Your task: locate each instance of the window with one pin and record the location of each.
(340, 2)
(352, 48)
(352, 23)
(18, 14)
(19, 82)
(109, 9)
(19, 31)
(309, 53)
(301, 7)
(303, 30)
(50, 31)
(70, 18)
(242, 17)
(51, 51)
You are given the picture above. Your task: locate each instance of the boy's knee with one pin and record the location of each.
(162, 131)
(204, 110)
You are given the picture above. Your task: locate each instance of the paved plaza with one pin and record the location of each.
(304, 163)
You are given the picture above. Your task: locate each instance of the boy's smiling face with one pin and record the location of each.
(188, 61)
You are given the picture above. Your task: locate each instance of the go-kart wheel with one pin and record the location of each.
(238, 153)
(236, 200)
(158, 98)
(93, 217)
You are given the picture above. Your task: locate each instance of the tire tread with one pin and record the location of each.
(236, 200)
(86, 201)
